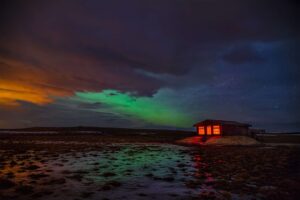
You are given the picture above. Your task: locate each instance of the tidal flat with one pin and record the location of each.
(75, 169)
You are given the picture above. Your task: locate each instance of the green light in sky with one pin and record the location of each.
(149, 109)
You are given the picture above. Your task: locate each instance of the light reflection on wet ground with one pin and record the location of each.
(139, 171)
(113, 172)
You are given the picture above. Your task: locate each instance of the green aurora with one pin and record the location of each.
(149, 109)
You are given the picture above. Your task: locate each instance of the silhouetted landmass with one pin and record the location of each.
(110, 134)
(94, 129)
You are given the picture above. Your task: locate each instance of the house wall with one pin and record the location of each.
(235, 130)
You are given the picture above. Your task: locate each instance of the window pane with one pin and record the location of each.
(208, 130)
(216, 130)
(201, 130)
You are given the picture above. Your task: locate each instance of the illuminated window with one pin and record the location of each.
(208, 130)
(216, 130)
(201, 130)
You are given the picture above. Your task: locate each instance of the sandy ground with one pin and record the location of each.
(41, 168)
(220, 140)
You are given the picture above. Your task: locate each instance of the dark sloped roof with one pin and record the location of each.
(221, 122)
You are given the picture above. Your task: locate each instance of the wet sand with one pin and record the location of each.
(116, 168)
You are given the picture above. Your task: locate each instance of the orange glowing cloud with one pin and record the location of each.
(26, 83)
(12, 92)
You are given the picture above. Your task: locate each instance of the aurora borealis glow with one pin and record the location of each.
(157, 64)
(144, 108)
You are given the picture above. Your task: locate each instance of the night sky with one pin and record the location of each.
(149, 64)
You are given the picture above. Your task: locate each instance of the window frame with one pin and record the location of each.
(209, 130)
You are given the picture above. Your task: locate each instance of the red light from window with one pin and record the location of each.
(201, 130)
(216, 130)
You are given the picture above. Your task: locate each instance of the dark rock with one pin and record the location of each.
(110, 185)
(6, 184)
(13, 163)
(108, 174)
(86, 194)
(25, 189)
(142, 194)
(57, 181)
(77, 177)
(168, 179)
(32, 167)
(38, 176)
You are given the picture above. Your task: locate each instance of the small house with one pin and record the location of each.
(212, 127)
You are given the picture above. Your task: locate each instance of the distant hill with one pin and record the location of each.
(94, 129)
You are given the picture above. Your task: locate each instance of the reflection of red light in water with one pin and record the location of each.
(201, 168)
(197, 160)
(197, 164)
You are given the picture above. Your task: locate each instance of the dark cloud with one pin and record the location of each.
(91, 105)
(51, 49)
(242, 55)
(58, 114)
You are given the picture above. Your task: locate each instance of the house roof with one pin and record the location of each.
(220, 122)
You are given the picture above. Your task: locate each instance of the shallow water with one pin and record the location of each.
(141, 171)
(117, 171)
